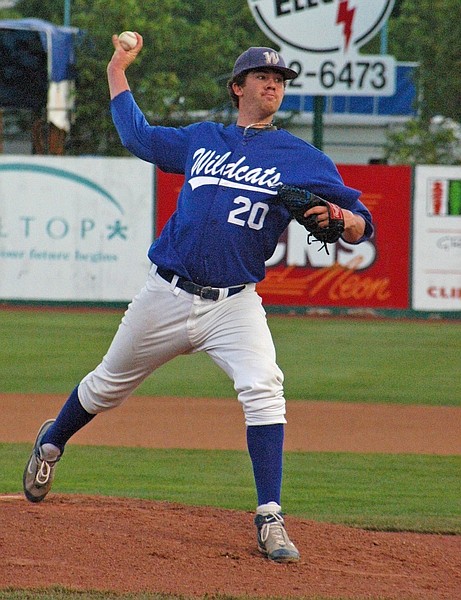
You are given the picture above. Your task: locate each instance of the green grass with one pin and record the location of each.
(402, 362)
(348, 360)
(369, 361)
(59, 593)
(372, 491)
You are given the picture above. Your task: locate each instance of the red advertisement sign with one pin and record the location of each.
(374, 274)
(167, 190)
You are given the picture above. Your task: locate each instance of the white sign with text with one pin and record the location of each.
(320, 40)
(437, 239)
(74, 229)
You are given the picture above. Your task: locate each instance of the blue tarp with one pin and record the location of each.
(37, 66)
(59, 41)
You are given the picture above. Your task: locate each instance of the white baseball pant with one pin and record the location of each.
(163, 321)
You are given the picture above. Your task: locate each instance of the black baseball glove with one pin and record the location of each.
(298, 200)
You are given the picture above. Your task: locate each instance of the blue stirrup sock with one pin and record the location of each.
(70, 420)
(265, 446)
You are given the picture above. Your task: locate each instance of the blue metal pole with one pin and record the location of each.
(317, 131)
(384, 39)
(67, 13)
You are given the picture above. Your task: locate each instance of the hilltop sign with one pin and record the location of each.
(320, 40)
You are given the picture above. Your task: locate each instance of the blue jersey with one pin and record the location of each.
(227, 224)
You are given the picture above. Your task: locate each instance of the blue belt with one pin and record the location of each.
(204, 291)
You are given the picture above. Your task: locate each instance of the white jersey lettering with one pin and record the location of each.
(216, 167)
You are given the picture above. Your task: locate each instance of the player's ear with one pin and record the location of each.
(237, 89)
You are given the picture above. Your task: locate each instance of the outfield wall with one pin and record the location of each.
(77, 230)
(411, 265)
(74, 229)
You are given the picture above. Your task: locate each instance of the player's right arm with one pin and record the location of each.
(118, 64)
(164, 146)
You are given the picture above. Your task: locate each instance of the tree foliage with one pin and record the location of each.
(418, 142)
(190, 46)
(189, 49)
(429, 32)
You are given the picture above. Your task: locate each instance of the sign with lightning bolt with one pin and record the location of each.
(320, 39)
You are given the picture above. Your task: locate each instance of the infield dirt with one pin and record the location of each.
(125, 545)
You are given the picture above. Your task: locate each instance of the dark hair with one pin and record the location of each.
(240, 81)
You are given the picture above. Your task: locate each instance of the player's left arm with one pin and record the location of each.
(329, 185)
(358, 225)
(354, 227)
(354, 224)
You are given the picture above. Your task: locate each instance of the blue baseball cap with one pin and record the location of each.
(258, 57)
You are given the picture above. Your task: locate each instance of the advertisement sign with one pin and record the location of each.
(321, 42)
(437, 239)
(74, 229)
(374, 274)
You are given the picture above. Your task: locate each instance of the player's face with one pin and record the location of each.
(262, 93)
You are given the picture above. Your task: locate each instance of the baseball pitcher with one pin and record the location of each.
(244, 183)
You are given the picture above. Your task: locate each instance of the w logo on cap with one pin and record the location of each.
(258, 57)
(272, 58)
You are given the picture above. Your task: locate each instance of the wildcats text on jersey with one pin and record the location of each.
(211, 168)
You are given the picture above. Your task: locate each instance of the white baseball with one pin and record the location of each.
(128, 40)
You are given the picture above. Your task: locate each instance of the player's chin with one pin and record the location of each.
(272, 104)
(272, 99)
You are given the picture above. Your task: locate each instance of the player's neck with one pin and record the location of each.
(257, 126)
(255, 122)
(247, 118)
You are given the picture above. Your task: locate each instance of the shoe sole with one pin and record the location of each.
(41, 432)
(279, 559)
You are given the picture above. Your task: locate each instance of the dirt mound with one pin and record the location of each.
(124, 545)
